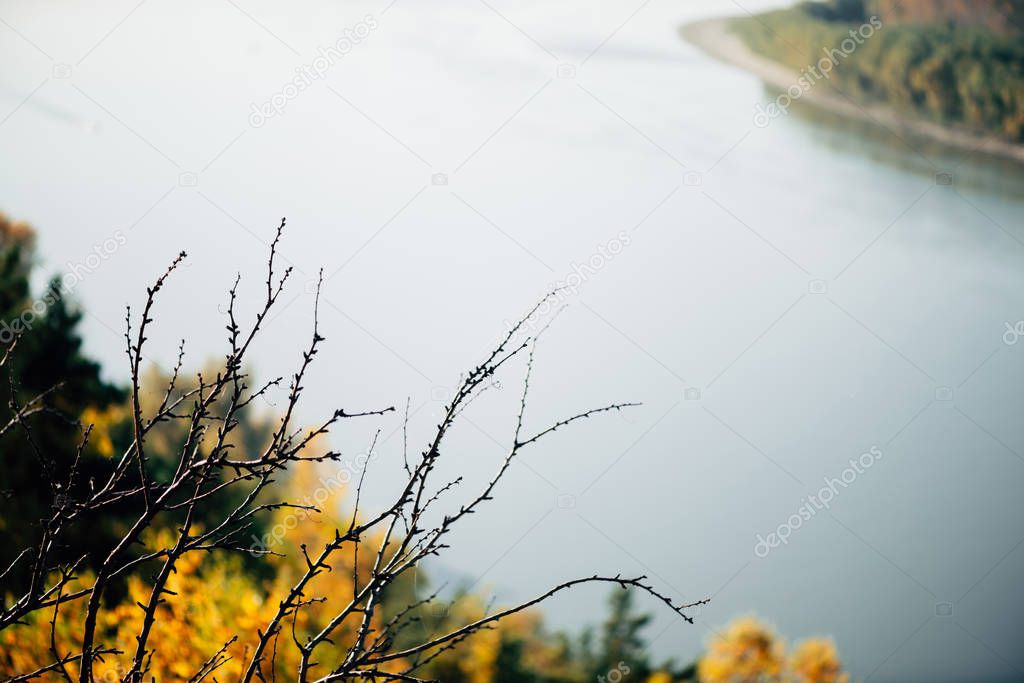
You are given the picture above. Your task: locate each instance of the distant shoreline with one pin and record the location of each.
(715, 37)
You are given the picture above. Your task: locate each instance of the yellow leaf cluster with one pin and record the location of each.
(749, 651)
(816, 660)
(212, 599)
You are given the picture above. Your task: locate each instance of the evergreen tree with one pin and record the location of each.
(622, 648)
(47, 353)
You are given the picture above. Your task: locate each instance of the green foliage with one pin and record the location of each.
(837, 10)
(942, 71)
(48, 353)
(621, 643)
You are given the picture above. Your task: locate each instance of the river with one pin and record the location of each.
(782, 299)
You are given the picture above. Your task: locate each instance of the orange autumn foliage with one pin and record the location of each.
(213, 599)
(816, 660)
(748, 651)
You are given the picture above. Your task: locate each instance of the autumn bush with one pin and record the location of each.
(749, 651)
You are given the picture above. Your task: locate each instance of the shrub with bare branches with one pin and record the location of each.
(206, 465)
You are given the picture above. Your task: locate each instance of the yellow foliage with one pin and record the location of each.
(14, 232)
(477, 658)
(816, 660)
(102, 422)
(751, 652)
(748, 651)
(212, 600)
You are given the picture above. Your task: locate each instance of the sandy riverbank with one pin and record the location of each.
(714, 37)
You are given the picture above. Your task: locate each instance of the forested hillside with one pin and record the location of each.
(956, 63)
(1003, 17)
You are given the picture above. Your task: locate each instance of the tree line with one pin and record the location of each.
(936, 60)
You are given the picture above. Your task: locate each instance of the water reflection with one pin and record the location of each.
(980, 171)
